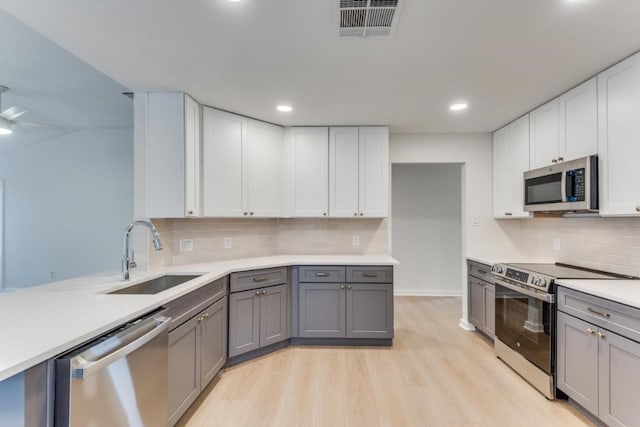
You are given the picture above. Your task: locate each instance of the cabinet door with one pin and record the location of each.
(579, 121)
(476, 304)
(322, 310)
(502, 173)
(274, 308)
(184, 368)
(222, 151)
(264, 169)
(369, 310)
(520, 162)
(244, 322)
(577, 361)
(544, 135)
(373, 180)
(343, 172)
(213, 341)
(619, 382)
(489, 311)
(619, 133)
(192, 150)
(308, 160)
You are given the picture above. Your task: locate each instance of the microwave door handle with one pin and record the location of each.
(563, 186)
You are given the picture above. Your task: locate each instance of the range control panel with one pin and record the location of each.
(520, 276)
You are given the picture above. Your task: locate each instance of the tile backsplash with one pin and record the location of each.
(263, 237)
(609, 244)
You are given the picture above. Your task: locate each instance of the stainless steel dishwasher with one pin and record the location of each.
(119, 379)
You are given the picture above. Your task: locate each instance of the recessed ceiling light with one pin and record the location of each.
(284, 108)
(458, 106)
(234, 1)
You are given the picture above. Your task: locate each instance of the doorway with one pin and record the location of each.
(426, 228)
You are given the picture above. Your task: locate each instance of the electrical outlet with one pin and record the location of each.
(475, 221)
(356, 241)
(186, 245)
(556, 244)
(227, 242)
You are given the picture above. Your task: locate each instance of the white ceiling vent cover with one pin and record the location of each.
(367, 17)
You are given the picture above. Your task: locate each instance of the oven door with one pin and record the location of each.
(525, 321)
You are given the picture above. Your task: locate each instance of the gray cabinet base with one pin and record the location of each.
(377, 342)
(232, 361)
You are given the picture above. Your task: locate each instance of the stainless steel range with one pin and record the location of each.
(525, 317)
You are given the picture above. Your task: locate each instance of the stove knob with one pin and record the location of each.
(496, 268)
(542, 282)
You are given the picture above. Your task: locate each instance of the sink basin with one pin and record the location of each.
(156, 285)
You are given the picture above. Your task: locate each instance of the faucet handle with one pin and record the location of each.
(132, 263)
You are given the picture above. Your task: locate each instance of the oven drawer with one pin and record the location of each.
(607, 314)
(479, 270)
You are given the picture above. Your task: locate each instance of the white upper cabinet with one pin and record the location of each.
(358, 172)
(619, 138)
(579, 121)
(242, 166)
(308, 171)
(566, 127)
(344, 160)
(510, 161)
(544, 135)
(166, 155)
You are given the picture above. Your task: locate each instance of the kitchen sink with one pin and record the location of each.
(156, 285)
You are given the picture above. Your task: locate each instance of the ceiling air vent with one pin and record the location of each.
(367, 17)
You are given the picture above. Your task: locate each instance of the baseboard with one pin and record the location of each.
(426, 293)
(466, 325)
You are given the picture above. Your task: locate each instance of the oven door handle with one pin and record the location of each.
(550, 298)
(563, 186)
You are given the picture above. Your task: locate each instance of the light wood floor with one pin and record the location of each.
(436, 374)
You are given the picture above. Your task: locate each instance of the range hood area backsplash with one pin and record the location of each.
(265, 237)
(608, 244)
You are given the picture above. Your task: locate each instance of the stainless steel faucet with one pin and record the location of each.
(127, 262)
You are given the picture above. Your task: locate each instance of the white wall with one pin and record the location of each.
(427, 228)
(66, 203)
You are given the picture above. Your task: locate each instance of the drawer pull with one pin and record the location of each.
(600, 334)
(508, 213)
(590, 331)
(637, 208)
(601, 313)
(370, 274)
(482, 272)
(322, 274)
(260, 279)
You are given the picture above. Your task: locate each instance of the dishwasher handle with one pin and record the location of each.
(132, 338)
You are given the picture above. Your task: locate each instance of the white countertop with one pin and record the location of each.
(622, 291)
(42, 322)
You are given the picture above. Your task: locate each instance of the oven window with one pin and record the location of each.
(544, 189)
(525, 324)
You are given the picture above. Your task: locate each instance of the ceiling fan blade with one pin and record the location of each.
(13, 113)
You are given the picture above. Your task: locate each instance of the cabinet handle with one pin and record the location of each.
(554, 160)
(370, 274)
(560, 159)
(260, 279)
(190, 213)
(600, 334)
(246, 213)
(361, 214)
(590, 331)
(250, 213)
(482, 272)
(257, 292)
(205, 316)
(508, 213)
(341, 286)
(264, 292)
(324, 214)
(355, 214)
(200, 319)
(637, 208)
(348, 286)
(322, 274)
(601, 313)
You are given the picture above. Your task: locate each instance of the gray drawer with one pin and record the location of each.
(246, 280)
(479, 270)
(607, 314)
(370, 274)
(321, 273)
(185, 307)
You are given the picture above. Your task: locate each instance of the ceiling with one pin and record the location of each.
(503, 57)
(60, 92)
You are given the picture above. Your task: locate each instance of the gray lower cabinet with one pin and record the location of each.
(597, 368)
(258, 318)
(339, 310)
(481, 297)
(197, 351)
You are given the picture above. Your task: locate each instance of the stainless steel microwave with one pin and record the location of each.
(564, 187)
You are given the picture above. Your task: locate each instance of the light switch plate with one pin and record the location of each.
(475, 221)
(186, 245)
(227, 242)
(356, 241)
